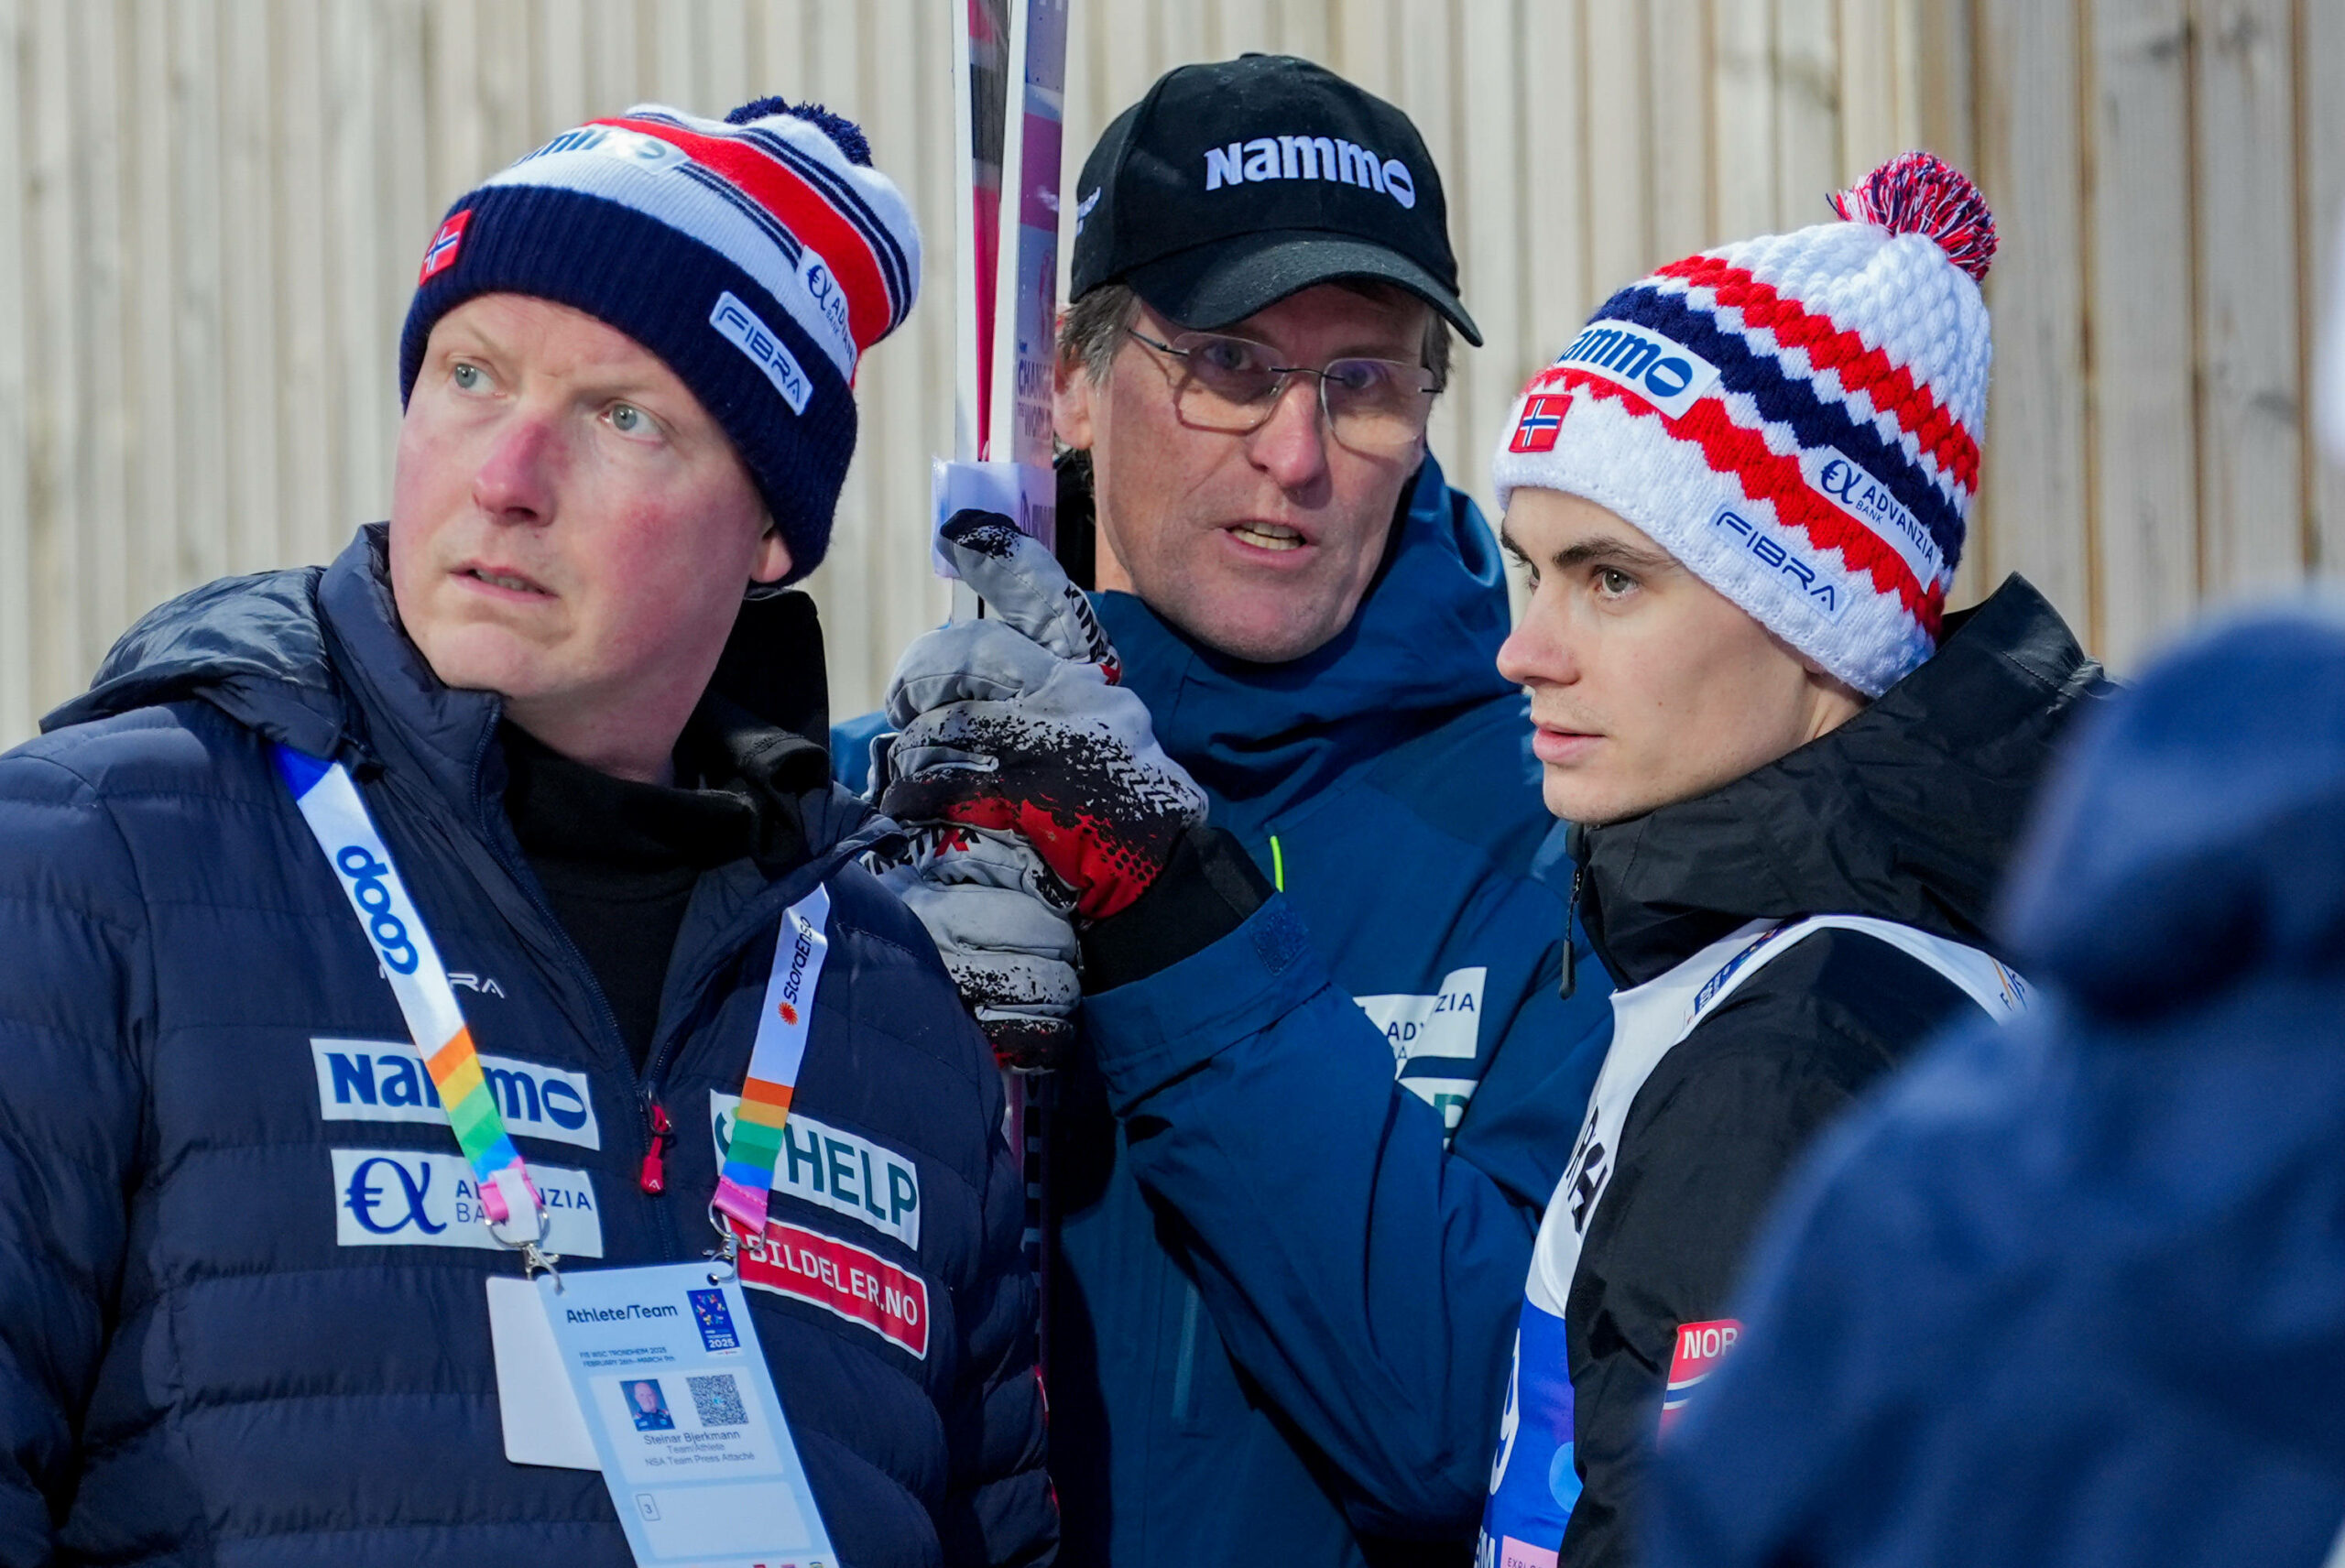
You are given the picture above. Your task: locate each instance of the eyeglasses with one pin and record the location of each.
(1376, 407)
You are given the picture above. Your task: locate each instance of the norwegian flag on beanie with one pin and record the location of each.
(758, 256)
(1795, 418)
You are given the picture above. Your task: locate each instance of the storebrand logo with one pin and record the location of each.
(1661, 370)
(396, 1197)
(386, 1081)
(1309, 157)
(742, 328)
(801, 951)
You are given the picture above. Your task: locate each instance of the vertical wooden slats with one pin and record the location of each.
(1806, 86)
(211, 213)
(2145, 485)
(2029, 164)
(1620, 193)
(2250, 398)
(1742, 90)
(2321, 182)
(1677, 127)
(59, 401)
(100, 544)
(21, 684)
(1485, 183)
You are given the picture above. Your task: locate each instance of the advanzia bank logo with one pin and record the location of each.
(404, 1197)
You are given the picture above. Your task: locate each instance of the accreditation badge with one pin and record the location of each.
(675, 1393)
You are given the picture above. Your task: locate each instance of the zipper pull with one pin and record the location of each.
(1576, 845)
(654, 1179)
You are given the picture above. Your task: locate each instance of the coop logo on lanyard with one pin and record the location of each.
(370, 891)
(337, 817)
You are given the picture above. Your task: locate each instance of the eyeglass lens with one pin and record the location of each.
(1372, 405)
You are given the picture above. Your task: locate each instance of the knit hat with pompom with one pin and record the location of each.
(757, 256)
(1795, 418)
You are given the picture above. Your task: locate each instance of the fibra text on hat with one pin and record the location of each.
(1309, 157)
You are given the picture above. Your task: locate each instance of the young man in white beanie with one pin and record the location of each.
(1742, 492)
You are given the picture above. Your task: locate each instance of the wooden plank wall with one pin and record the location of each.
(210, 213)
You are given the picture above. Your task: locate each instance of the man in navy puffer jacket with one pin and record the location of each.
(243, 1319)
(2070, 1293)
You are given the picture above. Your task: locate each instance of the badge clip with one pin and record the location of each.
(726, 1256)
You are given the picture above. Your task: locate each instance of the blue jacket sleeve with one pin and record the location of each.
(851, 750)
(1366, 1277)
(73, 986)
(999, 1512)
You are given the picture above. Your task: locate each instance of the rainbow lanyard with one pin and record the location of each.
(337, 816)
(797, 954)
(330, 804)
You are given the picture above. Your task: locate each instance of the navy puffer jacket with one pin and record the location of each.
(241, 1321)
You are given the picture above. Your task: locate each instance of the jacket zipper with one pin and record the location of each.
(1575, 846)
(654, 1179)
(653, 1152)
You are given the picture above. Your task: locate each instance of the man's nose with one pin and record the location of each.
(1535, 653)
(515, 482)
(1291, 446)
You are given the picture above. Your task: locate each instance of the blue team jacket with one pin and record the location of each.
(2071, 1293)
(242, 1316)
(1286, 1283)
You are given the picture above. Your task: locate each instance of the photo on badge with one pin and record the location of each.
(650, 1407)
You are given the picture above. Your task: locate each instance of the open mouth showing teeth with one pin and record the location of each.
(1268, 536)
(498, 579)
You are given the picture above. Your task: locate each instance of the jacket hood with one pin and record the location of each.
(252, 646)
(1908, 812)
(316, 658)
(1422, 646)
(2193, 843)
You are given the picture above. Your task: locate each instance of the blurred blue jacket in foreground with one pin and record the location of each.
(2072, 1291)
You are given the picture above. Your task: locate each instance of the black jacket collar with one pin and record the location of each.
(1908, 811)
(317, 658)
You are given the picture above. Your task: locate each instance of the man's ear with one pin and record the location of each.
(771, 563)
(1071, 390)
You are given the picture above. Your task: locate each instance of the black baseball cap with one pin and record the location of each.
(1233, 185)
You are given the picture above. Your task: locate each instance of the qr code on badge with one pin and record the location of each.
(718, 1399)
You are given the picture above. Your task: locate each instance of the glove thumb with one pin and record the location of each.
(1026, 588)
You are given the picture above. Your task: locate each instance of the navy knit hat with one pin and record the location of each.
(757, 257)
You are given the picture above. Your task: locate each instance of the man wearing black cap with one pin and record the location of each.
(1298, 1171)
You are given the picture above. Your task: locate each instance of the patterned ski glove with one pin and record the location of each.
(1005, 929)
(1016, 724)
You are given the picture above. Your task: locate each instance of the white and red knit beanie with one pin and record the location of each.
(757, 256)
(1794, 418)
